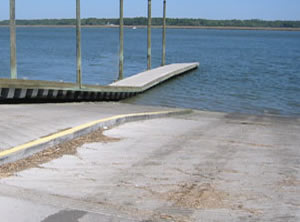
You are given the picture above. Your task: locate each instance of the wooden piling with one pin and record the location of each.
(149, 36)
(164, 34)
(121, 55)
(78, 44)
(13, 51)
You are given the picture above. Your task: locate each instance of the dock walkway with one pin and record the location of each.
(45, 91)
(148, 79)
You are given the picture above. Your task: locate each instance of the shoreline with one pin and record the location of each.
(168, 27)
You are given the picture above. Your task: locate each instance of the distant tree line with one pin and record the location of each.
(158, 21)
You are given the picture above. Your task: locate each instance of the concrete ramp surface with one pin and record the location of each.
(202, 166)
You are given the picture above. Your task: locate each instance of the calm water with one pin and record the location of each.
(241, 71)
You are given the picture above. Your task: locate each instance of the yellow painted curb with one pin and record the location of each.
(76, 129)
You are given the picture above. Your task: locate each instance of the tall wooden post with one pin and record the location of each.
(78, 44)
(121, 56)
(149, 35)
(164, 35)
(13, 51)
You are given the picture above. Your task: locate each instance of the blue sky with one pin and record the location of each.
(210, 9)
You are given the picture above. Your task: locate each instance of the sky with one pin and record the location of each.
(208, 9)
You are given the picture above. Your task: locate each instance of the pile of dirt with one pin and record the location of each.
(66, 148)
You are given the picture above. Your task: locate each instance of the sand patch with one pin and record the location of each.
(203, 196)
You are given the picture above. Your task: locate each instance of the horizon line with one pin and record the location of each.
(1, 20)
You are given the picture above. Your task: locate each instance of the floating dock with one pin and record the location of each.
(12, 90)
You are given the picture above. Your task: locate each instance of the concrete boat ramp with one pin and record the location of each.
(44, 91)
(200, 166)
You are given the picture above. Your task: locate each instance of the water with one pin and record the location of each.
(253, 72)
